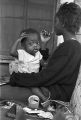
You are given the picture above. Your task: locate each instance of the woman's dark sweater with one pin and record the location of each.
(60, 75)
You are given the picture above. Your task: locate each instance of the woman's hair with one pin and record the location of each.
(26, 32)
(69, 15)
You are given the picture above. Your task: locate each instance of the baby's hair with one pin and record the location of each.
(26, 32)
(69, 15)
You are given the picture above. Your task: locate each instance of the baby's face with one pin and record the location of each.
(32, 44)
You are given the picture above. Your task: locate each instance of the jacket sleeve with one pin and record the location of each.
(46, 77)
(45, 53)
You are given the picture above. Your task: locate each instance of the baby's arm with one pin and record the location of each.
(14, 49)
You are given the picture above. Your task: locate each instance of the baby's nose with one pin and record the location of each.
(37, 46)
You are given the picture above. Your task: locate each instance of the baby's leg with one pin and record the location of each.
(39, 93)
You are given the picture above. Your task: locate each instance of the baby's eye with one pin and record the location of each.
(35, 43)
(31, 43)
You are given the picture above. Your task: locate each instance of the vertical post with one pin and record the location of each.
(54, 38)
(54, 11)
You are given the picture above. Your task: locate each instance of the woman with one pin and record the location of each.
(61, 73)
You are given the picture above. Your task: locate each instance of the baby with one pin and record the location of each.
(28, 57)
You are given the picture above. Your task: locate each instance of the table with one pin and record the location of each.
(20, 115)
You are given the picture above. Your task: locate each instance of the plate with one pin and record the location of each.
(39, 113)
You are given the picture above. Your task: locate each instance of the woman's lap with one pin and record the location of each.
(14, 93)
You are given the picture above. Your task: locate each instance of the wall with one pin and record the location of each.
(11, 22)
(79, 33)
(16, 15)
(40, 16)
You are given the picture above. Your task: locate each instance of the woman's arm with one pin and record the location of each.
(45, 37)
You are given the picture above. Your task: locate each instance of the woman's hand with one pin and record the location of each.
(45, 36)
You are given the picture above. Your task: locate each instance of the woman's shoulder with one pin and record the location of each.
(74, 45)
(71, 44)
(68, 47)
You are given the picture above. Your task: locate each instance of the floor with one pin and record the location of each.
(3, 114)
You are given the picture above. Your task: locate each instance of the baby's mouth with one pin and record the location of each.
(35, 50)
